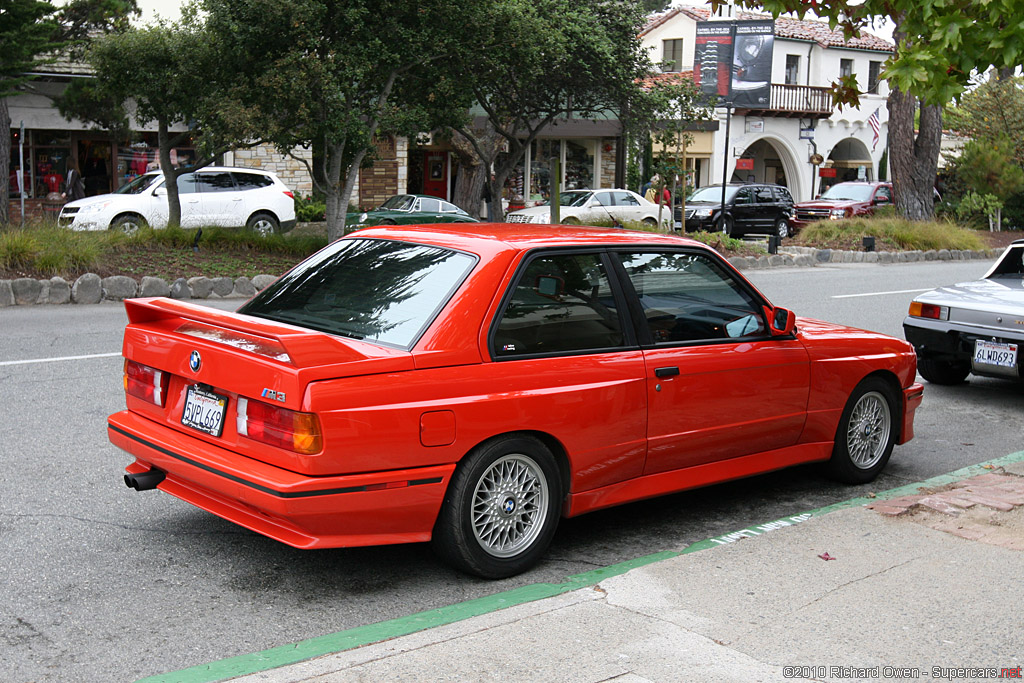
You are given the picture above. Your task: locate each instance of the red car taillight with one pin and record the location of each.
(290, 194)
(299, 432)
(145, 382)
(920, 310)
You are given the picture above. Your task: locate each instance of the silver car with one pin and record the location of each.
(971, 327)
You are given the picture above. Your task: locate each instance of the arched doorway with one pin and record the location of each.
(850, 160)
(769, 160)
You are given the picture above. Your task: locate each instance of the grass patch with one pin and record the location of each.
(44, 250)
(890, 233)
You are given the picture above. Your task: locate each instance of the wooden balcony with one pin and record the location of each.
(795, 101)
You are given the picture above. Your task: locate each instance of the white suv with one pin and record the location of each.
(214, 195)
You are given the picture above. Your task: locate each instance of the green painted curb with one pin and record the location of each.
(294, 653)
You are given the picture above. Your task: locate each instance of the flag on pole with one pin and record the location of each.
(875, 125)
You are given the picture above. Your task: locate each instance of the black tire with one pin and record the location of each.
(651, 222)
(129, 224)
(866, 433)
(570, 221)
(724, 224)
(263, 224)
(782, 228)
(943, 372)
(501, 508)
(386, 221)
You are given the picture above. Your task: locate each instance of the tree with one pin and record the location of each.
(32, 33)
(994, 108)
(587, 64)
(167, 74)
(670, 105)
(939, 44)
(987, 168)
(335, 75)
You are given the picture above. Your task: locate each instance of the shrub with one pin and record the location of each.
(18, 249)
(310, 209)
(893, 232)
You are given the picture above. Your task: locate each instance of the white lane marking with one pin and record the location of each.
(895, 291)
(54, 360)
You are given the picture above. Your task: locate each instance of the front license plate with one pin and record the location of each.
(204, 410)
(995, 355)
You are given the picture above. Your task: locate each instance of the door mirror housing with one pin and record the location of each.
(783, 322)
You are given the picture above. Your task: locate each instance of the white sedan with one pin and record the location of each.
(580, 207)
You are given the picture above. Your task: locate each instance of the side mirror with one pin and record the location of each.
(160, 192)
(783, 322)
(550, 286)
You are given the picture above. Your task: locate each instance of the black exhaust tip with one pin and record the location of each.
(144, 481)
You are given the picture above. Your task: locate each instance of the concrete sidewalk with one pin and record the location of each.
(915, 584)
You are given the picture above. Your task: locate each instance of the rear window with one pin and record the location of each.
(376, 290)
(251, 181)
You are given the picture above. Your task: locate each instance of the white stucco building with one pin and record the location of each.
(800, 121)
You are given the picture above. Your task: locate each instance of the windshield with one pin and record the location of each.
(573, 198)
(378, 290)
(137, 185)
(848, 191)
(713, 193)
(400, 202)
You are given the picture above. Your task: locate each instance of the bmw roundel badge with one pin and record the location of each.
(195, 361)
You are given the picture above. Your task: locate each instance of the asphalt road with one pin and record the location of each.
(100, 583)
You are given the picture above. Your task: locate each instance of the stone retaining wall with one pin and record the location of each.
(91, 288)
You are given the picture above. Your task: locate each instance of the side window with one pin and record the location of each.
(251, 181)
(187, 183)
(625, 199)
(430, 205)
(744, 196)
(603, 198)
(764, 195)
(690, 297)
(448, 208)
(215, 182)
(560, 303)
(784, 195)
(883, 196)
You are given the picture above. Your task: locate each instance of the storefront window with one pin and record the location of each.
(579, 164)
(543, 154)
(45, 163)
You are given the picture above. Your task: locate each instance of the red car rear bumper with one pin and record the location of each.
(375, 508)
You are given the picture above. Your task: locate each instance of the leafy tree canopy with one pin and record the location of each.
(945, 41)
(993, 109)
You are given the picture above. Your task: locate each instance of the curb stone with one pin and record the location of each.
(91, 289)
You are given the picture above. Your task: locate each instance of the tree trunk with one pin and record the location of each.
(914, 158)
(915, 155)
(170, 177)
(475, 170)
(5, 162)
(339, 193)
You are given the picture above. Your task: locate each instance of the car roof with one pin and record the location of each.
(261, 171)
(492, 238)
(864, 182)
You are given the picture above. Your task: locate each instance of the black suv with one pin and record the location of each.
(755, 208)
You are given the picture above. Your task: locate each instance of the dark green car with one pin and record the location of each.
(405, 209)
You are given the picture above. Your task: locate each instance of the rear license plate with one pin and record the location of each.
(204, 410)
(995, 356)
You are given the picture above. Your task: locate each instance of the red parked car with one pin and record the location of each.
(843, 200)
(469, 386)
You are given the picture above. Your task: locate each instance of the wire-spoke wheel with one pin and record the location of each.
(508, 505)
(501, 508)
(866, 433)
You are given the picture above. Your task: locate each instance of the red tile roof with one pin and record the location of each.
(785, 27)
